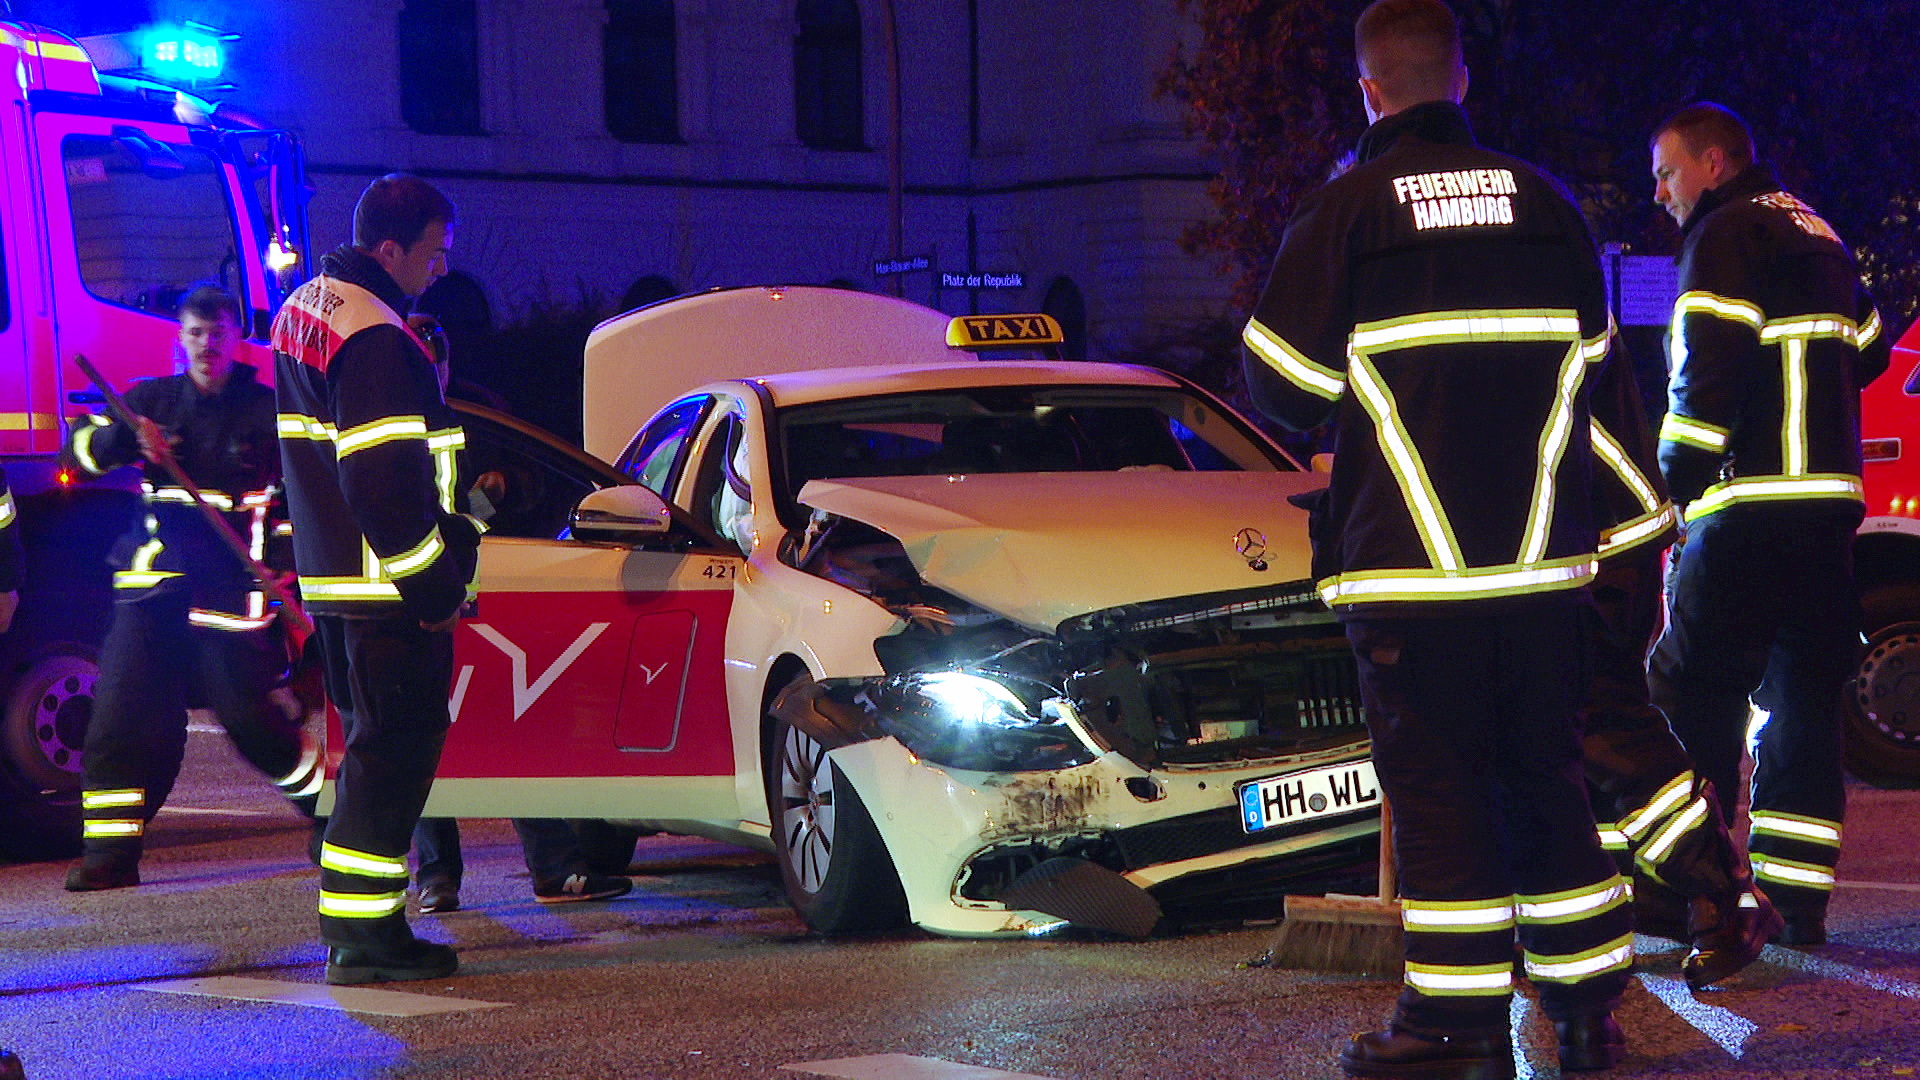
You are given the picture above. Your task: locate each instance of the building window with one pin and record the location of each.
(642, 79)
(440, 67)
(1068, 308)
(826, 75)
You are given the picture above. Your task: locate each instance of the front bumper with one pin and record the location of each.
(953, 834)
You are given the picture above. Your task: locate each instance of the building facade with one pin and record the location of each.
(608, 152)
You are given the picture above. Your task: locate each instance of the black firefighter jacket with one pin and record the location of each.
(371, 451)
(226, 445)
(1443, 305)
(1772, 339)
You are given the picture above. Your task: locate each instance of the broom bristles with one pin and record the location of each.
(1354, 935)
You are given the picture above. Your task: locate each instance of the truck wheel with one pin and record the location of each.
(48, 706)
(833, 863)
(1882, 706)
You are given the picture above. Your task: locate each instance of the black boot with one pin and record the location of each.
(1397, 1052)
(1590, 1043)
(1802, 928)
(92, 874)
(1728, 934)
(400, 963)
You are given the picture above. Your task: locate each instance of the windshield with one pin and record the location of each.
(1018, 430)
(148, 232)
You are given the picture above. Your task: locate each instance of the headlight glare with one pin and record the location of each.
(965, 720)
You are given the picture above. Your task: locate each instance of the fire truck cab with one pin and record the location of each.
(1883, 701)
(119, 194)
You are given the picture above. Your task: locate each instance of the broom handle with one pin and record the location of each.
(1389, 878)
(289, 607)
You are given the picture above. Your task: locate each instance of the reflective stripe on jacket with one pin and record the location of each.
(1772, 339)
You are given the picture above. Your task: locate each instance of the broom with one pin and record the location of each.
(1358, 935)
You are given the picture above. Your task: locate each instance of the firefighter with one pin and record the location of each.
(191, 627)
(386, 556)
(1771, 341)
(1444, 305)
(1666, 829)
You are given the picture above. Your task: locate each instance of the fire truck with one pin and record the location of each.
(1883, 701)
(120, 193)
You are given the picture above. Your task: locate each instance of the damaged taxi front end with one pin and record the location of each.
(1093, 711)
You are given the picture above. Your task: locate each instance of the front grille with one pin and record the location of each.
(1257, 890)
(1209, 833)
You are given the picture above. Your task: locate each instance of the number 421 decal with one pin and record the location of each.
(720, 570)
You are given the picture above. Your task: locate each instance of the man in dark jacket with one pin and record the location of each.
(385, 553)
(1772, 339)
(190, 625)
(1444, 305)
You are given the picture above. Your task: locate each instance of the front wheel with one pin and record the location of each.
(1882, 707)
(833, 863)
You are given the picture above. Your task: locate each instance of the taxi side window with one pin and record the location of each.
(722, 493)
(655, 456)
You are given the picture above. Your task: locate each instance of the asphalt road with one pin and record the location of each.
(703, 972)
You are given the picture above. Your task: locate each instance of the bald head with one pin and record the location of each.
(1409, 53)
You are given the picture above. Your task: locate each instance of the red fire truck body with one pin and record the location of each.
(119, 194)
(1883, 703)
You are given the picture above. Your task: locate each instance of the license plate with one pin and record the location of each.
(1303, 796)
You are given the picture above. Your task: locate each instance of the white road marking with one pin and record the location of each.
(215, 811)
(314, 995)
(1889, 886)
(1834, 969)
(1728, 1029)
(1525, 1051)
(903, 1067)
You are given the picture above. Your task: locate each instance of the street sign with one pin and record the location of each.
(1011, 279)
(911, 264)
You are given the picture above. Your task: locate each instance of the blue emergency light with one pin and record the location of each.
(183, 53)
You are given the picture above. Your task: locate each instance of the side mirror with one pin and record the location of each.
(627, 514)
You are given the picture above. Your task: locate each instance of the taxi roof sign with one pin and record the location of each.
(1000, 331)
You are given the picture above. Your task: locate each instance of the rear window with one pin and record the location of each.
(1018, 430)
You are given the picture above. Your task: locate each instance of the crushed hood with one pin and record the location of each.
(1041, 548)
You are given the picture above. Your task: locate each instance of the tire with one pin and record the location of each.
(48, 704)
(833, 863)
(1881, 710)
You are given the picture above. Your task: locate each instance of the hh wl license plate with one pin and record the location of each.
(1303, 796)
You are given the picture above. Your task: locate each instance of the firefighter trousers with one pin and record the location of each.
(154, 666)
(1474, 741)
(389, 679)
(1761, 606)
(1658, 817)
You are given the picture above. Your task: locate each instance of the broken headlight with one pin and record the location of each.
(966, 721)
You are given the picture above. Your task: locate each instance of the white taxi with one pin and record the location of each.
(990, 646)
